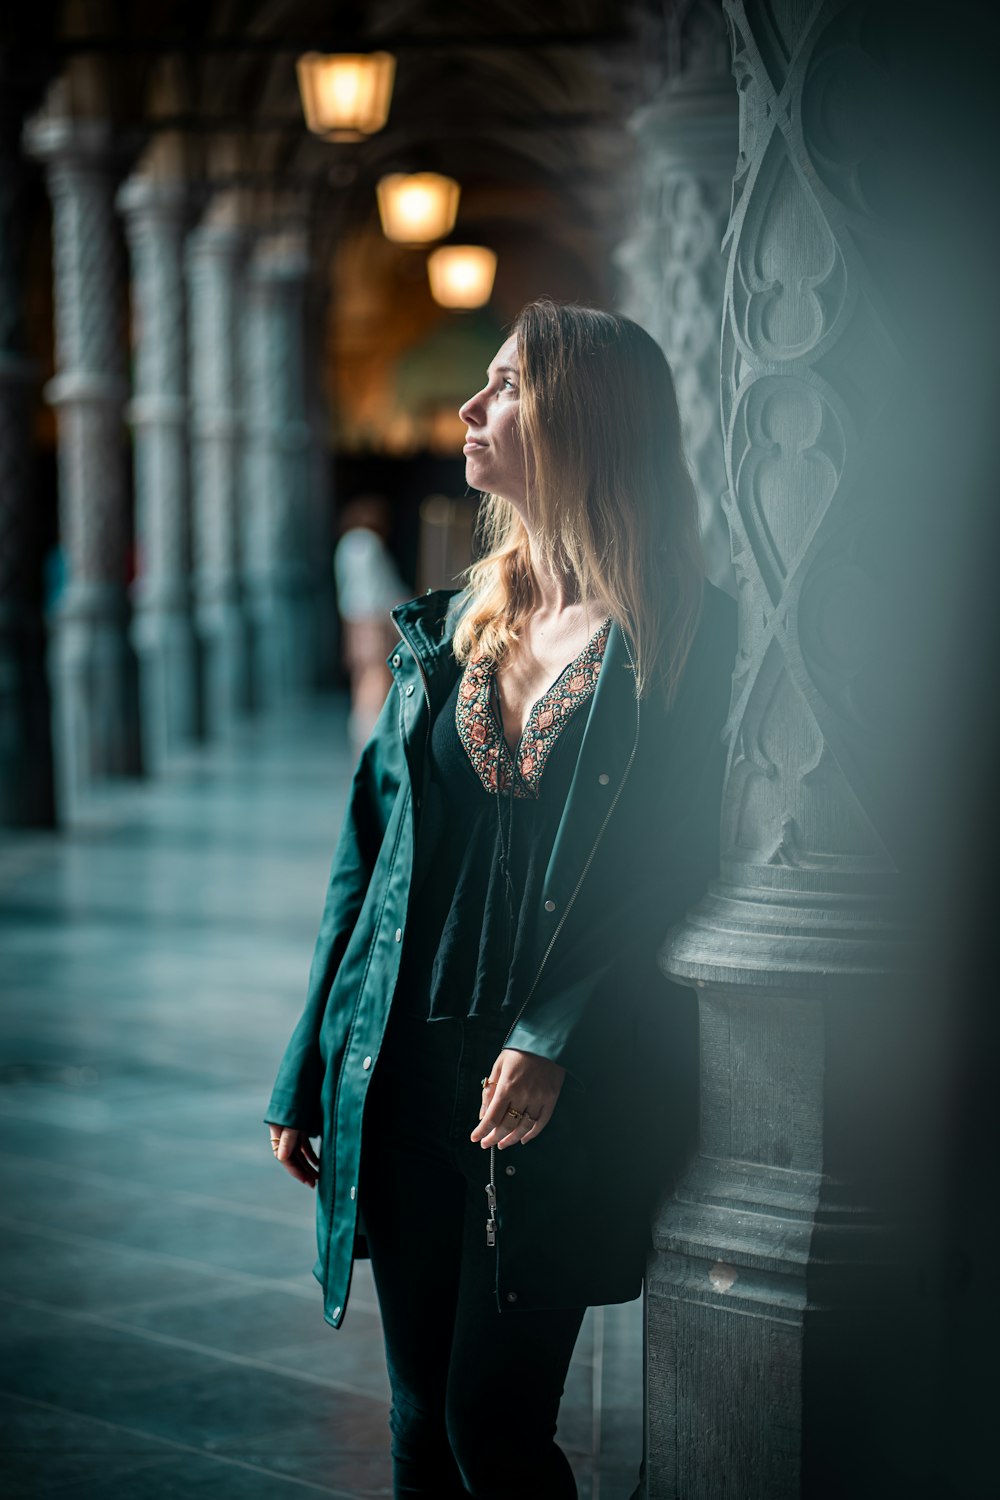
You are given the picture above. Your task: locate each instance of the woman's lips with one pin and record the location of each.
(472, 446)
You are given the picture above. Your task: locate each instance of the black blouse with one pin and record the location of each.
(485, 834)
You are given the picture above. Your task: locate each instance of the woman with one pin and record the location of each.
(538, 803)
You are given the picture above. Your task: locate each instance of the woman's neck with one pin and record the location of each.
(555, 592)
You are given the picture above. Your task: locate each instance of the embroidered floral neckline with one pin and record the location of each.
(480, 727)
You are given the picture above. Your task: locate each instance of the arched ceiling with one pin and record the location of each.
(523, 101)
(517, 92)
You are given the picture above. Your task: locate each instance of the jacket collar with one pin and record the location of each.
(427, 625)
(427, 622)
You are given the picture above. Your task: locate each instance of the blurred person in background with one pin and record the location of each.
(502, 1079)
(368, 587)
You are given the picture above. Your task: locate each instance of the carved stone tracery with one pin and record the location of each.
(803, 351)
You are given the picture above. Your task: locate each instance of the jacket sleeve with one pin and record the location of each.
(655, 865)
(295, 1099)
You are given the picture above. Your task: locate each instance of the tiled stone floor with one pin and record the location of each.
(162, 1329)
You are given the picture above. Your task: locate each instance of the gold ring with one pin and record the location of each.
(515, 1112)
(484, 1083)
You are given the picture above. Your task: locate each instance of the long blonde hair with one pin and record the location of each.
(611, 500)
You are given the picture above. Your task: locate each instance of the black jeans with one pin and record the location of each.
(475, 1391)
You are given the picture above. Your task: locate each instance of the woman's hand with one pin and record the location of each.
(524, 1082)
(294, 1151)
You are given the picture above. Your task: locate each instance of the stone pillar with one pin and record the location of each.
(156, 214)
(91, 665)
(25, 759)
(278, 470)
(673, 267)
(783, 1345)
(214, 258)
(322, 532)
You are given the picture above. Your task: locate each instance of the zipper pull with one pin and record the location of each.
(491, 1222)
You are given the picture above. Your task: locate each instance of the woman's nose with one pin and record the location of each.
(471, 410)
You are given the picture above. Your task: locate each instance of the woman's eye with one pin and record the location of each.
(508, 384)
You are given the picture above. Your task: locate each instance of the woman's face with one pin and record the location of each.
(494, 450)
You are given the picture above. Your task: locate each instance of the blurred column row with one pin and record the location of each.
(201, 603)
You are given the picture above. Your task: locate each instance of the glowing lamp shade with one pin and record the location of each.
(417, 207)
(345, 95)
(462, 275)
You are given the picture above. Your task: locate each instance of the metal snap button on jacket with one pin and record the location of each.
(511, 1296)
(396, 659)
(550, 906)
(367, 1063)
(409, 689)
(604, 778)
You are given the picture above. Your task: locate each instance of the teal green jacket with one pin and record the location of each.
(636, 845)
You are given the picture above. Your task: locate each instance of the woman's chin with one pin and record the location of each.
(476, 475)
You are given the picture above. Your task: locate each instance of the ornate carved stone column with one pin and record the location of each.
(91, 666)
(156, 213)
(214, 258)
(25, 763)
(279, 457)
(673, 265)
(777, 1326)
